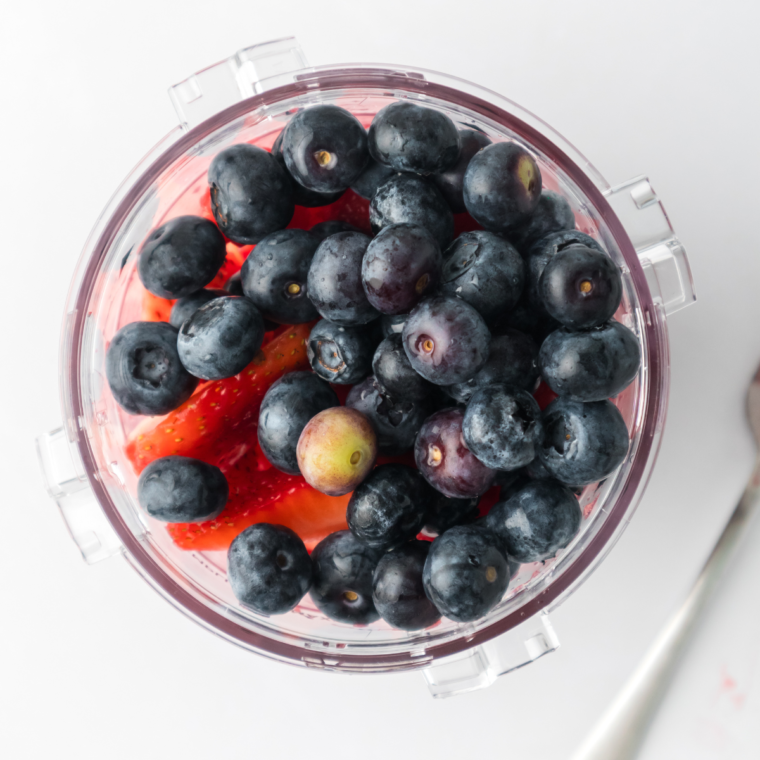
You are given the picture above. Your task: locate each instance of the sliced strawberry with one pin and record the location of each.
(350, 208)
(220, 412)
(464, 223)
(267, 496)
(487, 501)
(544, 395)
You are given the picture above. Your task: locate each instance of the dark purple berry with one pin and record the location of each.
(552, 214)
(389, 507)
(302, 196)
(144, 370)
(536, 522)
(583, 443)
(188, 305)
(411, 199)
(502, 186)
(486, 271)
(392, 324)
(412, 138)
(221, 338)
(512, 360)
(325, 148)
(402, 265)
(451, 181)
(338, 354)
(394, 372)
(274, 276)
(502, 427)
(371, 178)
(446, 340)
(396, 421)
(181, 489)
(581, 287)
(251, 194)
(466, 573)
(591, 365)
(398, 591)
(542, 252)
(334, 283)
(181, 257)
(288, 405)
(343, 569)
(269, 568)
(444, 459)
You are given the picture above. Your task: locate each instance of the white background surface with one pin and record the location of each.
(94, 664)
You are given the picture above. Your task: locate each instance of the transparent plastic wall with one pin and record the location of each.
(249, 99)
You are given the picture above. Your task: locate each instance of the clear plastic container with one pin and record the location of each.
(248, 98)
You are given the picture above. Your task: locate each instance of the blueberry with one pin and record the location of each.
(323, 230)
(526, 318)
(451, 181)
(334, 283)
(301, 195)
(514, 482)
(371, 178)
(325, 148)
(188, 305)
(181, 257)
(512, 359)
(398, 591)
(343, 571)
(181, 489)
(502, 186)
(502, 427)
(396, 420)
(445, 512)
(251, 194)
(590, 365)
(581, 287)
(583, 443)
(543, 251)
(221, 338)
(340, 354)
(536, 522)
(484, 270)
(144, 370)
(395, 374)
(288, 405)
(392, 324)
(269, 568)
(390, 506)
(552, 214)
(445, 461)
(411, 138)
(446, 340)
(466, 573)
(234, 286)
(401, 266)
(410, 199)
(536, 470)
(274, 276)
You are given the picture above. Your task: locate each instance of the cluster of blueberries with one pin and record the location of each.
(442, 340)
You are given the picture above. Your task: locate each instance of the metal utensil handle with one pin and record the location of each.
(621, 731)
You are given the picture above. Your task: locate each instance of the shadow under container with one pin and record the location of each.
(249, 98)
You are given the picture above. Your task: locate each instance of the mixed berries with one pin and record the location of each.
(419, 344)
